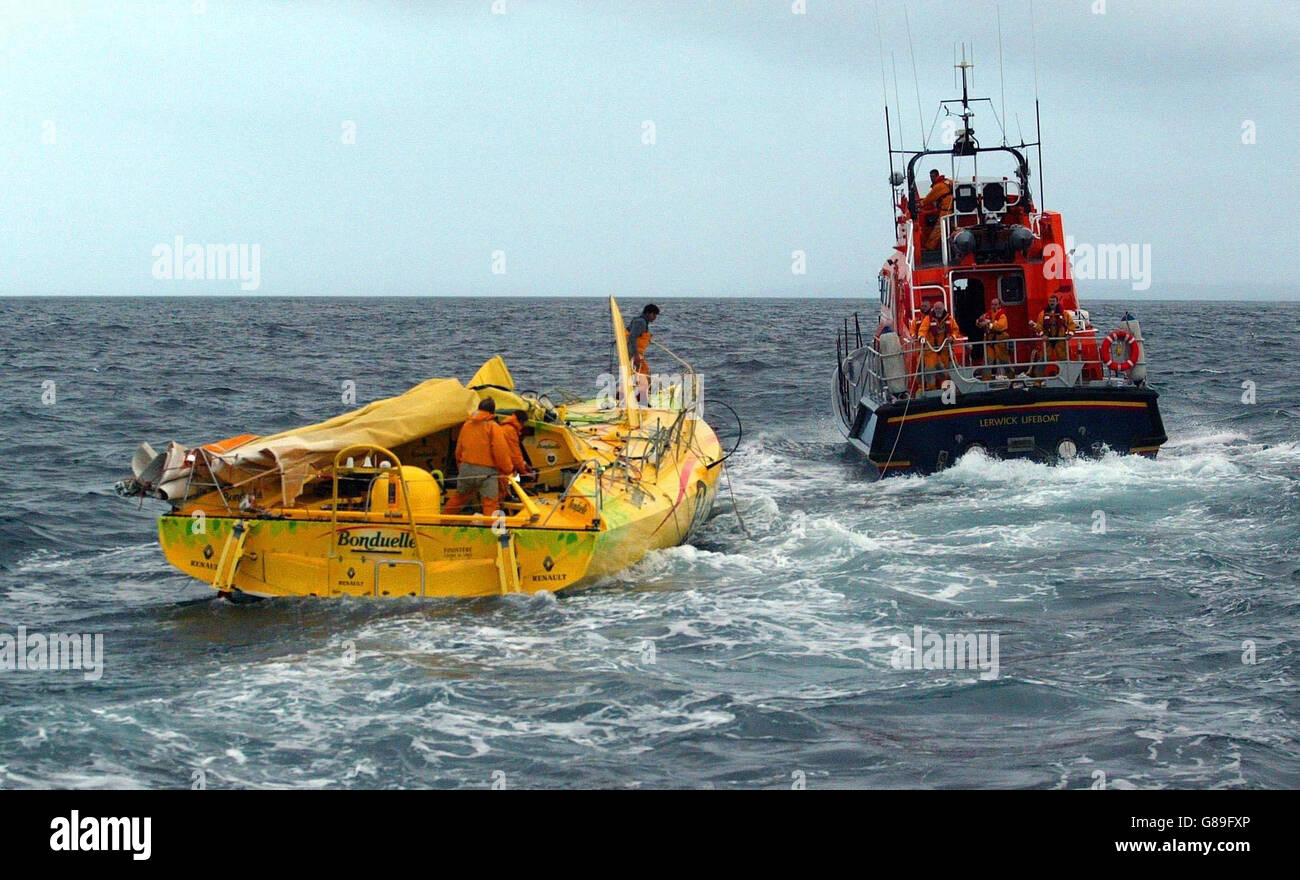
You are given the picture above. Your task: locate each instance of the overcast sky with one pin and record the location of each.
(128, 124)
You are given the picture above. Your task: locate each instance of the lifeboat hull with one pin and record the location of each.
(925, 435)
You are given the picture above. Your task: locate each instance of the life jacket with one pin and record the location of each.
(1054, 323)
(638, 338)
(483, 442)
(513, 428)
(992, 334)
(939, 330)
(939, 196)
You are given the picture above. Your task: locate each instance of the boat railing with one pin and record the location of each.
(968, 366)
(596, 497)
(686, 397)
(377, 462)
(950, 223)
(685, 394)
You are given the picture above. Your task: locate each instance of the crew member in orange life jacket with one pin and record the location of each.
(938, 331)
(638, 340)
(994, 324)
(914, 325)
(1054, 325)
(513, 426)
(936, 205)
(482, 454)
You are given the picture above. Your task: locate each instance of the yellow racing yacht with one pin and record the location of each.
(354, 506)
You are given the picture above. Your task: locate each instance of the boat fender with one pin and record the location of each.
(1132, 350)
(891, 354)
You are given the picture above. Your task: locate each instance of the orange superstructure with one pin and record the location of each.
(970, 239)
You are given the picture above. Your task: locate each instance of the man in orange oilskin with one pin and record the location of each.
(513, 426)
(482, 455)
(936, 204)
(638, 340)
(938, 331)
(994, 324)
(1054, 325)
(914, 325)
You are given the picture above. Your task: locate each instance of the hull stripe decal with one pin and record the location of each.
(939, 414)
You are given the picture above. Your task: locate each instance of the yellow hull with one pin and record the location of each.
(356, 506)
(309, 553)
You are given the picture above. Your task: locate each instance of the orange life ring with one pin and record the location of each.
(1134, 350)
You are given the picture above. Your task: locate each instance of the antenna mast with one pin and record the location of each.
(1038, 119)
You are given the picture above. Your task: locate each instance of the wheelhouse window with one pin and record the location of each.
(1011, 289)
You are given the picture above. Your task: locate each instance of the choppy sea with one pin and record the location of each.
(1156, 653)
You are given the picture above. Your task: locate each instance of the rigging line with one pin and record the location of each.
(937, 113)
(998, 120)
(920, 116)
(1002, 76)
(880, 50)
(902, 423)
(897, 102)
(735, 508)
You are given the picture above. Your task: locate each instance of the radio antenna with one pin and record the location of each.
(880, 51)
(1038, 119)
(897, 101)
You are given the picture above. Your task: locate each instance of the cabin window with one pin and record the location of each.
(884, 291)
(1011, 289)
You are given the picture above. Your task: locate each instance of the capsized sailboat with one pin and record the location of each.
(354, 506)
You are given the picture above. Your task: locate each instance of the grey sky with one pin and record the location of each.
(523, 133)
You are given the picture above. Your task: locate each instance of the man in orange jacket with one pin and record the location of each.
(994, 324)
(1055, 326)
(936, 205)
(914, 325)
(513, 426)
(638, 340)
(938, 331)
(482, 455)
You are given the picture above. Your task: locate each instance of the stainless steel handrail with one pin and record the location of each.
(866, 365)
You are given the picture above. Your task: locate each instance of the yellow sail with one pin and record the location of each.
(626, 386)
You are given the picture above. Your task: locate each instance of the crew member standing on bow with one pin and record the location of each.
(938, 331)
(482, 455)
(994, 324)
(1055, 326)
(638, 340)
